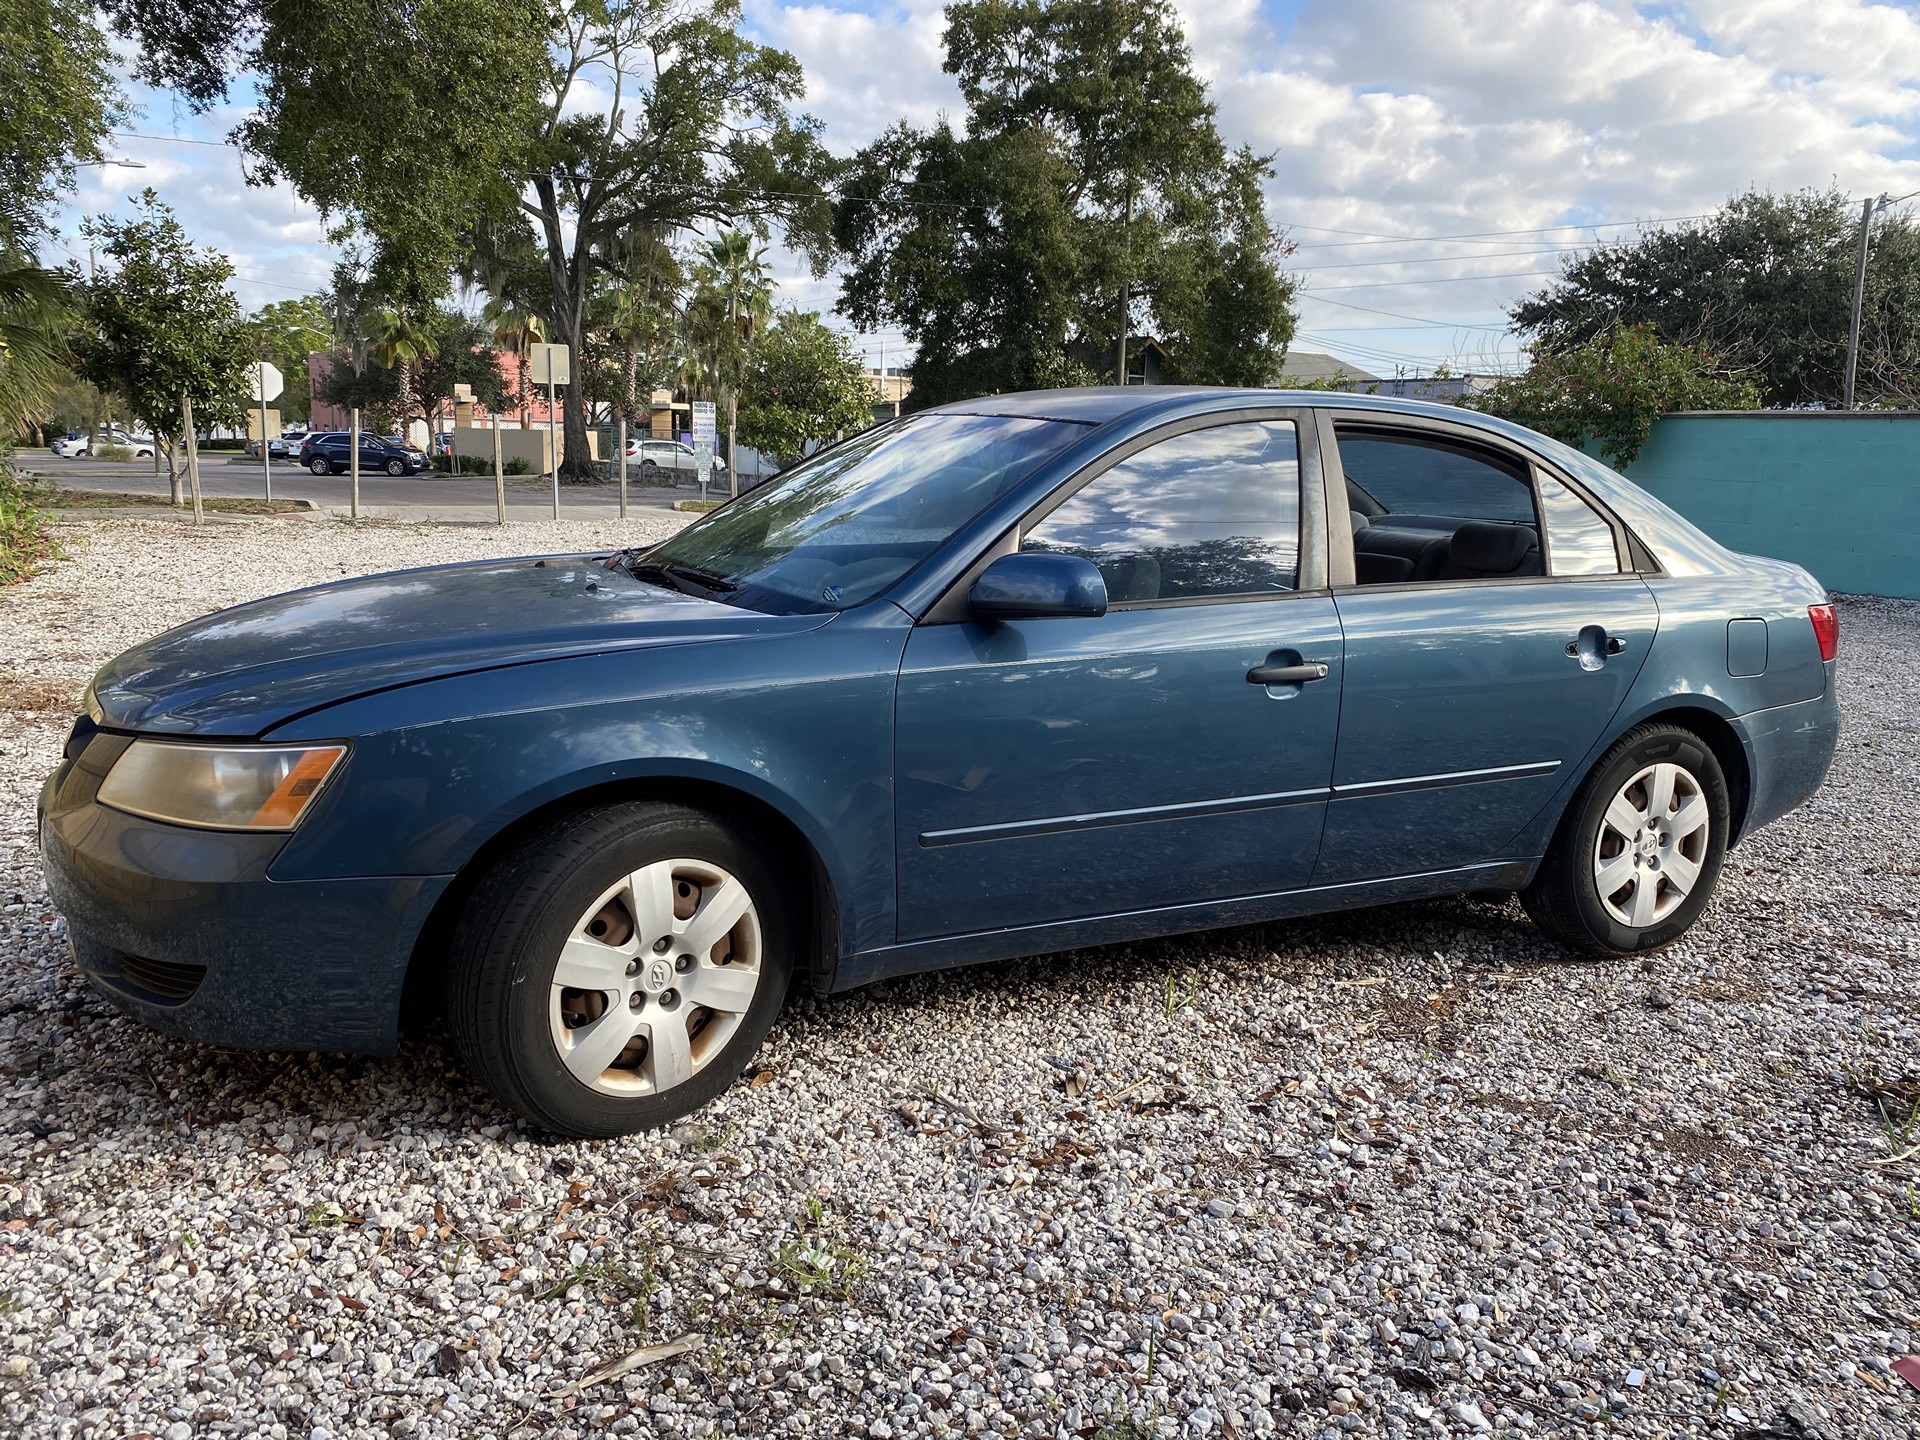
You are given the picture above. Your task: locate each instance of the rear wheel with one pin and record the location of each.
(619, 971)
(1638, 854)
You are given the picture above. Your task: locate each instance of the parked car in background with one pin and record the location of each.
(1029, 673)
(331, 453)
(73, 445)
(670, 456)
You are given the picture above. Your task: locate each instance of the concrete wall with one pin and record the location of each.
(1834, 491)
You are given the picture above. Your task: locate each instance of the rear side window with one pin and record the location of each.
(1207, 514)
(1579, 540)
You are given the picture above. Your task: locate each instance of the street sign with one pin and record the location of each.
(703, 437)
(264, 382)
(549, 364)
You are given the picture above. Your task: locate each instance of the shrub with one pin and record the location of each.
(112, 452)
(23, 537)
(517, 466)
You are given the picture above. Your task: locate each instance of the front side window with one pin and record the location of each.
(837, 530)
(1207, 514)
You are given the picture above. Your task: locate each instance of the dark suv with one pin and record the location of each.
(328, 454)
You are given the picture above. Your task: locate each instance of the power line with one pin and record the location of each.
(1400, 315)
(1436, 280)
(1456, 259)
(1382, 238)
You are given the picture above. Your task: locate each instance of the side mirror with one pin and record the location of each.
(1036, 584)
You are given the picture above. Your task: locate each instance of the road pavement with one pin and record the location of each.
(421, 497)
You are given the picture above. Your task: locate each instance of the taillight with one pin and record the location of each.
(1826, 629)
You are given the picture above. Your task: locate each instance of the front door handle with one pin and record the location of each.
(1285, 674)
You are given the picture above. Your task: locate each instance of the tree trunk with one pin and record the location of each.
(173, 470)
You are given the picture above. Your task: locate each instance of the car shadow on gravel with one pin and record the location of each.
(198, 1091)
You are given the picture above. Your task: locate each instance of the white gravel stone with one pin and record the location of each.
(1492, 1188)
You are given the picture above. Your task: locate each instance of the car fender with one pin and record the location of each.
(803, 726)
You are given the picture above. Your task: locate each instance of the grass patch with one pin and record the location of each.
(698, 507)
(23, 518)
(213, 504)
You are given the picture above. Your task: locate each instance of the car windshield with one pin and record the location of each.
(836, 530)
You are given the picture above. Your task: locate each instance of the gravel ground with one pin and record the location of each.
(1404, 1172)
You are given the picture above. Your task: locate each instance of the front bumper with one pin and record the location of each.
(185, 929)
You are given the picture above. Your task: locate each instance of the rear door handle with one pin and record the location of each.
(1285, 674)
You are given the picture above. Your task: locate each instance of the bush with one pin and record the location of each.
(517, 466)
(1608, 392)
(469, 465)
(113, 452)
(23, 537)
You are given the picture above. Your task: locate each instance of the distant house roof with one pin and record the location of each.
(1304, 366)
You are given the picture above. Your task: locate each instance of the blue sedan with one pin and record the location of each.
(1004, 677)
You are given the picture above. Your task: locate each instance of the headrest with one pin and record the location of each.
(1360, 522)
(1486, 545)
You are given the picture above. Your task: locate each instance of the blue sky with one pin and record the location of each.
(1432, 161)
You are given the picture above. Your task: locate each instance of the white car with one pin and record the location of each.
(668, 455)
(71, 446)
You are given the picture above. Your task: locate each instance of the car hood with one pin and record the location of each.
(243, 670)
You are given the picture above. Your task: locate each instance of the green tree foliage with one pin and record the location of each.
(286, 332)
(1609, 390)
(407, 372)
(1766, 284)
(802, 385)
(404, 117)
(543, 143)
(1089, 164)
(160, 325)
(57, 102)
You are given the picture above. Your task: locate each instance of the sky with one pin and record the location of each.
(1431, 161)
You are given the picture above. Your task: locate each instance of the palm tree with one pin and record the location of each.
(515, 328)
(397, 343)
(736, 272)
(32, 338)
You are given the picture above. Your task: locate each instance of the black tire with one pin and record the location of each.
(396, 467)
(1564, 897)
(507, 945)
(319, 465)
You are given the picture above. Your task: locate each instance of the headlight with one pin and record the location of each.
(219, 787)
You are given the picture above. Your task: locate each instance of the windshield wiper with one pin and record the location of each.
(688, 579)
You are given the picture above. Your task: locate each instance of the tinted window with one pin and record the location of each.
(1579, 540)
(1214, 512)
(1419, 479)
(838, 529)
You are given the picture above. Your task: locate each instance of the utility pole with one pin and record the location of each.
(1126, 286)
(1859, 291)
(1867, 212)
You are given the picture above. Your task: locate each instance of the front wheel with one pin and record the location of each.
(319, 466)
(1638, 853)
(619, 970)
(396, 467)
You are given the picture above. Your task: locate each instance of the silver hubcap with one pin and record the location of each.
(1651, 846)
(655, 978)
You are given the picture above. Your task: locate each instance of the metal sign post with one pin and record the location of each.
(499, 477)
(267, 383)
(703, 437)
(623, 467)
(353, 466)
(554, 365)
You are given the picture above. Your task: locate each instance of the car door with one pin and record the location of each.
(1070, 767)
(1493, 627)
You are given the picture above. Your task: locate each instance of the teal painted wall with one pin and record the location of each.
(1838, 493)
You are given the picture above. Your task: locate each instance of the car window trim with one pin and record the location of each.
(951, 608)
(1627, 549)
